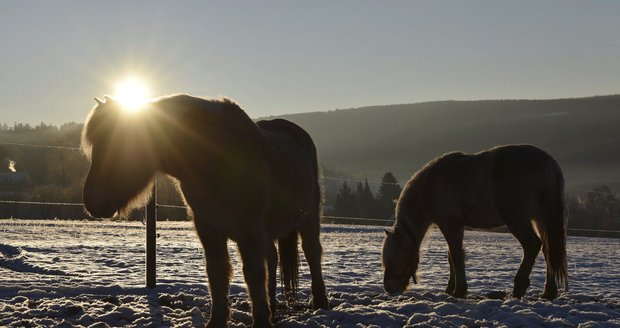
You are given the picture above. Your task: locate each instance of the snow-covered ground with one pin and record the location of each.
(91, 274)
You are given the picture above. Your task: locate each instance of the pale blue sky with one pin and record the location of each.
(277, 57)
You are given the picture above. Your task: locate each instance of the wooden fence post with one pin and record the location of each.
(151, 238)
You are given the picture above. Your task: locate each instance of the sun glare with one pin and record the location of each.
(132, 93)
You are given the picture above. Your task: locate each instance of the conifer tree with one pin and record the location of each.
(389, 191)
(345, 204)
(366, 204)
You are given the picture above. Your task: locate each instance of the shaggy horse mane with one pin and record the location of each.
(519, 186)
(418, 181)
(108, 118)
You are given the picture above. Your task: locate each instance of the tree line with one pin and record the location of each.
(598, 209)
(43, 164)
(43, 174)
(595, 213)
(357, 200)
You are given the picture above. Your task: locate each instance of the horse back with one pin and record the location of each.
(481, 190)
(280, 129)
(294, 167)
(505, 182)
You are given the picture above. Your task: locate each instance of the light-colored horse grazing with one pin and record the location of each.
(250, 182)
(519, 186)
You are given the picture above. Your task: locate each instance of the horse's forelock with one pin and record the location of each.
(95, 120)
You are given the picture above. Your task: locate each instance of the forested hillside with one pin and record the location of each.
(366, 143)
(582, 134)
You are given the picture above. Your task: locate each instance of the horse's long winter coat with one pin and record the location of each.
(254, 183)
(519, 186)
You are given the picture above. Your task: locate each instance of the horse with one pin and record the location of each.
(253, 183)
(519, 186)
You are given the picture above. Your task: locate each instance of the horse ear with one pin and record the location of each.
(107, 98)
(415, 279)
(99, 101)
(388, 232)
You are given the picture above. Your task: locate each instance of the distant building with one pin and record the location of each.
(14, 186)
(14, 178)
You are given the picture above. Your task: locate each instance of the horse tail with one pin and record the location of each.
(287, 246)
(289, 265)
(554, 232)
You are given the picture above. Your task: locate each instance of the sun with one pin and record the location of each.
(132, 94)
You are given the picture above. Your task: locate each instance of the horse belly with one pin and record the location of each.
(291, 202)
(279, 225)
(484, 220)
(478, 199)
(483, 216)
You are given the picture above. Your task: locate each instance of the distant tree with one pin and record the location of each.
(389, 191)
(603, 207)
(366, 204)
(345, 204)
(598, 210)
(21, 127)
(577, 213)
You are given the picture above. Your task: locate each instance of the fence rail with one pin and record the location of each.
(326, 218)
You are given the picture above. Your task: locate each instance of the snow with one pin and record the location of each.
(91, 274)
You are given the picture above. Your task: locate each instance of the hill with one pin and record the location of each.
(583, 134)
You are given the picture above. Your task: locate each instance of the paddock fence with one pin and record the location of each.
(16, 207)
(24, 207)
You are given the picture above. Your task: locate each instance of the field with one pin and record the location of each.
(91, 274)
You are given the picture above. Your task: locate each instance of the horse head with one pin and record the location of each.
(123, 159)
(400, 256)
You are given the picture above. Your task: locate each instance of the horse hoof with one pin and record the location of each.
(460, 294)
(320, 303)
(520, 287)
(549, 296)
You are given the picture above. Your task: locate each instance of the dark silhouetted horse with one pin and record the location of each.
(519, 186)
(253, 183)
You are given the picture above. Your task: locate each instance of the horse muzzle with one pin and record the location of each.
(97, 206)
(395, 286)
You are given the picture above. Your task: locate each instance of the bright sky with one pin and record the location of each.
(277, 57)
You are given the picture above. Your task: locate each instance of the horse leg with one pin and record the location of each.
(311, 245)
(454, 237)
(253, 250)
(272, 260)
(218, 271)
(450, 288)
(531, 246)
(551, 288)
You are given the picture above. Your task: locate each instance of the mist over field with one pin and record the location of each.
(361, 144)
(582, 134)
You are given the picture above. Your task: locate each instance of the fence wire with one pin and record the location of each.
(38, 146)
(353, 220)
